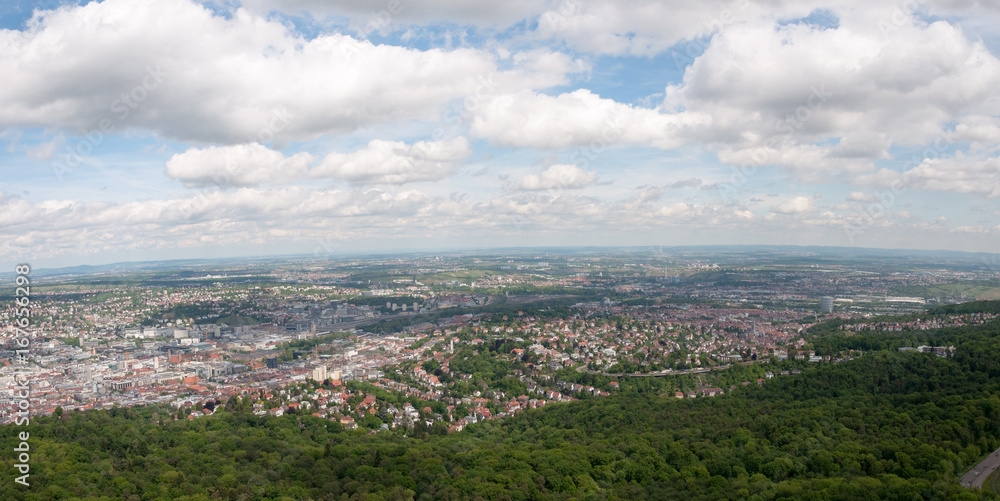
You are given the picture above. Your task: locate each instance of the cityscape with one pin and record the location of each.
(458, 337)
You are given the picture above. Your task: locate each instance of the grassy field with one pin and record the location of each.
(461, 276)
(979, 291)
(992, 484)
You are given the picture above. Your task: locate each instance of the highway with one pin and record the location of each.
(978, 474)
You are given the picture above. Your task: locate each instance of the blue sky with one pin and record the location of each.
(156, 130)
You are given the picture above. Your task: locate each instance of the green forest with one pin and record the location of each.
(888, 425)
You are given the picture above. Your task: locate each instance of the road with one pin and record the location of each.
(978, 474)
(668, 372)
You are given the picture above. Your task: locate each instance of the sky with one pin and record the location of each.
(135, 130)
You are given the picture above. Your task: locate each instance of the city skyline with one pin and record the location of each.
(139, 131)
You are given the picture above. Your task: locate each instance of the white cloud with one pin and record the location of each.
(687, 183)
(175, 68)
(978, 177)
(238, 165)
(820, 102)
(577, 119)
(672, 210)
(369, 14)
(253, 106)
(641, 27)
(43, 152)
(858, 196)
(251, 218)
(827, 102)
(797, 205)
(559, 176)
(983, 132)
(394, 162)
(381, 162)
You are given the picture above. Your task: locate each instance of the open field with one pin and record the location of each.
(977, 290)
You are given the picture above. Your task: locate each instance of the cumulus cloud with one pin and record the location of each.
(237, 165)
(577, 119)
(823, 102)
(638, 27)
(559, 176)
(371, 15)
(983, 132)
(294, 215)
(978, 177)
(175, 68)
(686, 183)
(394, 162)
(858, 196)
(857, 95)
(672, 210)
(820, 101)
(797, 205)
(381, 162)
(644, 27)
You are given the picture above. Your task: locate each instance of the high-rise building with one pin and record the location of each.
(826, 304)
(272, 363)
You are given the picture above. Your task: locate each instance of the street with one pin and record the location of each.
(978, 475)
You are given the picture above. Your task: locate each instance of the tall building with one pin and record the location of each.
(826, 304)
(272, 363)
